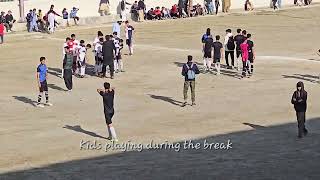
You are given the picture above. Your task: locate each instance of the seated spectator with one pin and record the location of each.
(199, 10)
(65, 16)
(157, 13)
(134, 10)
(248, 6)
(150, 14)
(9, 21)
(165, 13)
(174, 11)
(73, 15)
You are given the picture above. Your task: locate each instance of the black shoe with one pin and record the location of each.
(184, 104)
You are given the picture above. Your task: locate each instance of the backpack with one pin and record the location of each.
(230, 44)
(190, 73)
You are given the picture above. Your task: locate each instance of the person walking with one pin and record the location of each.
(299, 100)
(245, 58)
(239, 39)
(129, 37)
(217, 54)
(252, 55)
(107, 95)
(229, 48)
(217, 4)
(1, 32)
(108, 52)
(67, 68)
(207, 53)
(189, 71)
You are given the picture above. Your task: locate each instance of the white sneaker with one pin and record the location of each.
(40, 105)
(48, 104)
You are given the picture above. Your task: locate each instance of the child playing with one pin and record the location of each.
(65, 16)
(98, 57)
(42, 82)
(245, 58)
(108, 103)
(82, 57)
(73, 15)
(1, 32)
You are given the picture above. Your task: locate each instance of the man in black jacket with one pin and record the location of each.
(299, 100)
(9, 21)
(189, 71)
(108, 51)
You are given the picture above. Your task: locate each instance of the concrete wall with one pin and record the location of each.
(90, 7)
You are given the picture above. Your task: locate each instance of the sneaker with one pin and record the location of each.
(48, 104)
(184, 104)
(193, 104)
(70, 90)
(40, 105)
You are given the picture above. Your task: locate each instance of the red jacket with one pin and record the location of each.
(1, 29)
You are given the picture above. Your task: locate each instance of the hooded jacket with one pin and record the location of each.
(299, 98)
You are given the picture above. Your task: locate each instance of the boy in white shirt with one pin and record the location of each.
(82, 57)
(98, 57)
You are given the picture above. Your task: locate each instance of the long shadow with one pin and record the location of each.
(255, 126)
(55, 72)
(166, 99)
(270, 154)
(25, 100)
(55, 87)
(180, 64)
(304, 77)
(78, 128)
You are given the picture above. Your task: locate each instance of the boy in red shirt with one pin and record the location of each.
(1, 32)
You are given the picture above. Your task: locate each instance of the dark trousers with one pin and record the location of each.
(217, 7)
(295, 2)
(104, 69)
(227, 57)
(74, 64)
(245, 68)
(301, 118)
(67, 76)
(1, 39)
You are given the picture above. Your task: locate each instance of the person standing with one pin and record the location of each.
(98, 57)
(1, 33)
(207, 53)
(116, 27)
(217, 54)
(67, 68)
(123, 15)
(279, 4)
(33, 22)
(252, 54)
(227, 5)
(181, 8)
(229, 47)
(189, 71)
(129, 37)
(217, 4)
(108, 105)
(239, 39)
(245, 56)
(141, 10)
(104, 7)
(65, 16)
(108, 51)
(42, 74)
(73, 45)
(299, 100)
(274, 4)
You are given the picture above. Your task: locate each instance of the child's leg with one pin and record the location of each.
(209, 62)
(205, 63)
(40, 96)
(83, 69)
(115, 62)
(120, 65)
(1, 37)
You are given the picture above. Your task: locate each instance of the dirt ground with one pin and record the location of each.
(254, 114)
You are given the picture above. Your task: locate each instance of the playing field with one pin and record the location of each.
(254, 114)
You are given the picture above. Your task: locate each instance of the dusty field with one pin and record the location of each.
(255, 114)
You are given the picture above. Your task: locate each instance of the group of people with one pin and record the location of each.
(239, 47)
(39, 22)
(6, 24)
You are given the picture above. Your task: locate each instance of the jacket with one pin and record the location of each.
(185, 70)
(299, 98)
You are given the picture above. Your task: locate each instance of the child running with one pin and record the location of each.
(108, 103)
(42, 73)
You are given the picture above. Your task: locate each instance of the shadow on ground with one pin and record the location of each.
(166, 99)
(78, 128)
(304, 77)
(263, 153)
(25, 100)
